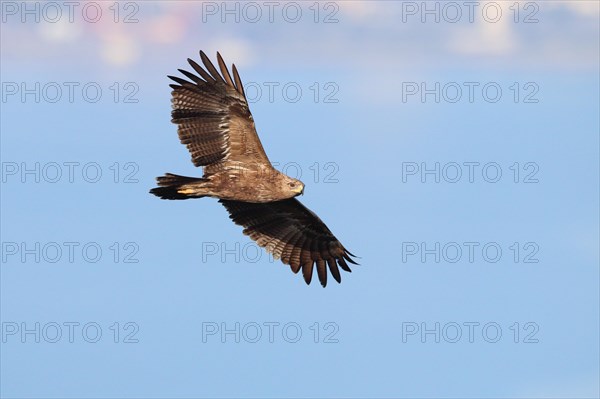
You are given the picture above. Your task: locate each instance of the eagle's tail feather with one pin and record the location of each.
(175, 187)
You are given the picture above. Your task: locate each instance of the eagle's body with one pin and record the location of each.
(216, 125)
(256, 183)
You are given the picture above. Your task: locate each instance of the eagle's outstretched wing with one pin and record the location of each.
(293, 233)
(213, 117)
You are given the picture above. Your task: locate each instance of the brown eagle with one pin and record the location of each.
(215, 123)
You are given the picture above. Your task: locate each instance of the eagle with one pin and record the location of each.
(214, 122)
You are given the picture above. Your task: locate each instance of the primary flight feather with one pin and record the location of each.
(214, 122)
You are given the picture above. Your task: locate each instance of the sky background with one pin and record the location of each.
(131, 296)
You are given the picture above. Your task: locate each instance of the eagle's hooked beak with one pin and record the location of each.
(299, 190)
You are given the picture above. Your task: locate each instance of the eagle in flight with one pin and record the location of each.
(214, 122)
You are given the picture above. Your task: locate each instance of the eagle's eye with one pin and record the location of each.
(292, 184)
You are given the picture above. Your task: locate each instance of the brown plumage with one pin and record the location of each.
(215, 123)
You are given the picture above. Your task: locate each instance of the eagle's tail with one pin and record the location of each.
(175, 187)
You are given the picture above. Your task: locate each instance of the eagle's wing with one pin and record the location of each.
(293, 233)
(213, 117)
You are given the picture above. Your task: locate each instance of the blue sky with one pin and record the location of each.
(130, 296)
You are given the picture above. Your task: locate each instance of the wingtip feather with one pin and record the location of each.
(307, 271)
(224, 70)
(238, 81)
(211, 67)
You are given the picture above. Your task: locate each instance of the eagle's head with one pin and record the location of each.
(292, 186)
